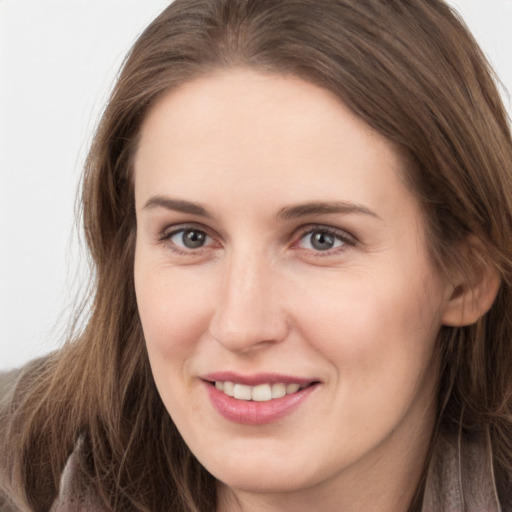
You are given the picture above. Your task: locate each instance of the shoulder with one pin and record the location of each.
(8, 384)
(15, 383)
(8, 381)
(461, 475)
(76, 494)
(7, 378)
(17, 401)
(14, 386)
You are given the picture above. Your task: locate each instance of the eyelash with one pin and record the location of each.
(346, 239)
(167, 235)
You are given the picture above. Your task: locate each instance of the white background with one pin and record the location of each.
(58, 60)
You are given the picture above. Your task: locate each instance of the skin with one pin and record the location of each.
(361, 318)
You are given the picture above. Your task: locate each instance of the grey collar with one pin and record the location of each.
(460, 477)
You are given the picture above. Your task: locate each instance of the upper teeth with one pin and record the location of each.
(260, 393)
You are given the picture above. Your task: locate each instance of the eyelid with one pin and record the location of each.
(170, 229)
(347, 238)
(165, 235)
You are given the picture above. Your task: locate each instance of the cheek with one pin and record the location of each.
(173, 309)
(174, 317)
(380, 345)
(374, 330)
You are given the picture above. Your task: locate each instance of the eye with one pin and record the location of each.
(188, 239)
(323, 239)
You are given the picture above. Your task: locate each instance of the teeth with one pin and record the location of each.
(229, 388)
(242, 392)
(260, 393)
(278, 390)
(292, 388)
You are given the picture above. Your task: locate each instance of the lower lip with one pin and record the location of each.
(249, 412)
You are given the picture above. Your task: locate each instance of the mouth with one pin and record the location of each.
(259, 393)
(257, 399)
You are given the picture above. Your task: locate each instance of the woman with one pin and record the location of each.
(299, 214)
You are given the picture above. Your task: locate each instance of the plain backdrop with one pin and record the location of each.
(58, 61)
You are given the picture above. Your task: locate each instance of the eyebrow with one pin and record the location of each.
(287, 213)
(177, 205)
(322, 208)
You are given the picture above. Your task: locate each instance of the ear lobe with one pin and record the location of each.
(473, 293)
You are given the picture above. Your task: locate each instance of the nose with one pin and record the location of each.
(249, 313)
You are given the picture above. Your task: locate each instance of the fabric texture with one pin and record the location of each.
(74, 495)
(461, 476)
(7, 386)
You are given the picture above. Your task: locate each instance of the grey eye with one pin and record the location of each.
(190, 238)
(321, 240)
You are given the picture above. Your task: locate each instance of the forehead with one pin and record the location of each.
(255, 132)
(209, 105)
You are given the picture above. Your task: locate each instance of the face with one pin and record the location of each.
(280, 258)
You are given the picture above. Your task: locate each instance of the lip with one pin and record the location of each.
(256, 379)
(248, 412)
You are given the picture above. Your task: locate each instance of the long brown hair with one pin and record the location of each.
(412, 71)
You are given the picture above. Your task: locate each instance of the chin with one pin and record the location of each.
(272, 475)
(270, 483)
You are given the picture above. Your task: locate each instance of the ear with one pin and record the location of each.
(474, 286)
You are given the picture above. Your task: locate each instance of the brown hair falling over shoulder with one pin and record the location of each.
(412, 71)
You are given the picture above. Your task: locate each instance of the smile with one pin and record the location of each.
(259, 393)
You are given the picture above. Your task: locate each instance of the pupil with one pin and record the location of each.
(193, 239)
(322, 241)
